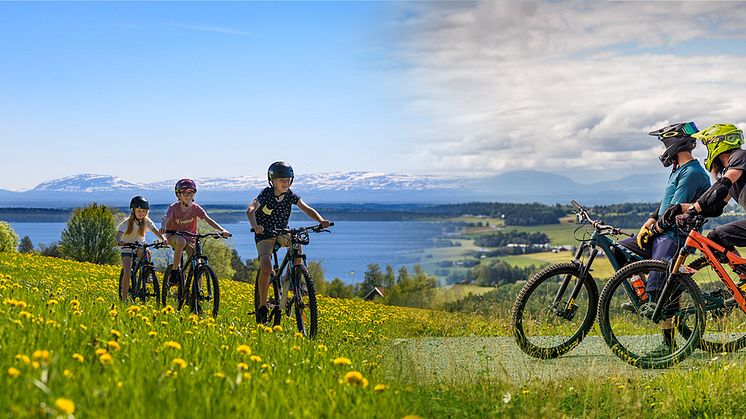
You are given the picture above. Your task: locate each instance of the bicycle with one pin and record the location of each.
(681, 305)
(201, 283)
(556, 308)
(297, 292)
(143, 280)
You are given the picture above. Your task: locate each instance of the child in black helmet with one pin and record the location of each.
(132, 230)
(269, 211)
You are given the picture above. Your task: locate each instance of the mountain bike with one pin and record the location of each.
(201, 284)
(143, 280)
(713, 320)
(296, 292)
(556, 308)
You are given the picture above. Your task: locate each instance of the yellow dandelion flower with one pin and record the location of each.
(65, 406)
(13, 372)
(83, 327)
(244, 350)
(322, 347)
(105, 359)
(52, 302)
(35, 364)
(265, 366)
(67, 373)
(342, 361)
(412, 417)
(74, 304)
(116, 333)
(298, 334)
(168, 309)
(219, 374)
(114, 345)
(296, 348)
(41, 354)
(355, 378)
(152, 333)
(247, 376)
(242, 366)
(179, 363)
(23, 358)
(267, 329)
(277, 328)
(25, 315)
(379, 388)
(100, 351)
(255, 358)
(172, 345)
(120, 384)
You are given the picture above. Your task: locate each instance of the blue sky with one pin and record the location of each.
(153, 91)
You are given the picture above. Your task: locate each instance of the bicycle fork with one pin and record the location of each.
(568, 311)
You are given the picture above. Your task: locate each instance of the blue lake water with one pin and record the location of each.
(345, 253)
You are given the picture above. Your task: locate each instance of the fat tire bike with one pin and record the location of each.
(556, 308)
(199, 288)
(144, 278)
(293, 289)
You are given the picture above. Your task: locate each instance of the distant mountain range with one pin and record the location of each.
(358, 187)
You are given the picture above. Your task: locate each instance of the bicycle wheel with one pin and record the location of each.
(544, 329)
(148, 285)
(273, 301)
(166, 288)
(205, 293)
(302, 296)
(185, 294)
(133, 286)
(725, 326)
(630, 332)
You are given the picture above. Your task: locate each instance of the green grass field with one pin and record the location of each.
(69, 349)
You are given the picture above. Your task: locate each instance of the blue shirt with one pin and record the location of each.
(685, 184)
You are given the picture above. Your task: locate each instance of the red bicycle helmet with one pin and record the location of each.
(184, 184)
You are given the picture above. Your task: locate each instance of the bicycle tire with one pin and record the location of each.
(725, 326)
(635, 337)
(149, 288)
(133, 285)
(205, 288)
(535, 300)
(274, 315)
(166, 286)
(186, 292)
(303, 298)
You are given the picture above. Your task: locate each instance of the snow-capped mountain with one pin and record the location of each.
(348, 187)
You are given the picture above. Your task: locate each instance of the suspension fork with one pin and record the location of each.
(667, 286)
(584, 268)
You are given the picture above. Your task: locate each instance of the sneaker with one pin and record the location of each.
(261, 315)
(175, 277)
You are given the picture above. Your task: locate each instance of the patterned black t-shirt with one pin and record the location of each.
(273, 214)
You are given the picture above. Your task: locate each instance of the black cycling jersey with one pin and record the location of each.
(273, 213)
(737, 160)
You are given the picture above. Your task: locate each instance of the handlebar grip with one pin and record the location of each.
(575, 204)
(331, 223)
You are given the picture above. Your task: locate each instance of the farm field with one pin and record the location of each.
(70, 350)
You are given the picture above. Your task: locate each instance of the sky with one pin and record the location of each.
(153, 91)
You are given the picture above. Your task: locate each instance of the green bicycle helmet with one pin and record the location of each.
(718, 139)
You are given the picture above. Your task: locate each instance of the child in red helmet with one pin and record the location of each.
(183, 215)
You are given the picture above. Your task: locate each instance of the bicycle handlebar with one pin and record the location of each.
(316, 229)
(138, 245)
(597, 224)
(199, 236)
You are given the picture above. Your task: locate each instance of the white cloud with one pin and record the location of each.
(211, 29)
(555, 86)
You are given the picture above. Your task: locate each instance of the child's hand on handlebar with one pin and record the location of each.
(325, 223)
(225, 233)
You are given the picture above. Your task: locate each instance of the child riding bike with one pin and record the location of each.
(183, 215)
(133, 230)
(269, 211)
(659, 238)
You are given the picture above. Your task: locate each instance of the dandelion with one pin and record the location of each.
(152, 333)
(179, 363)
(168, 309)
(52, 302)
(35, 364)
(219, 374)
(65, 405)
(41, 354)
(265, 366)
(74, 304)
(246, 376)
(116, 333)
(172, 345)
(105, 359)
(23, 358)
(83, 327)
(277, 328)
(355, 378)
(267, 329)
(25, 314)
(114, 345)
(133, 310)
(67, 373)
(244, 350)
(242, 366)
(342, 361)
(296, 348)
(322, 347)
(100, 351)
(379, 388)
(255, 358)
(298, 335)
(412, 417)
(13, 372)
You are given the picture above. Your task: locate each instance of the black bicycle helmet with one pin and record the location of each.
(278, 170)
(676, 138)
(139, 202)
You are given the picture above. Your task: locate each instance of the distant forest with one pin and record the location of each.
(630, 215)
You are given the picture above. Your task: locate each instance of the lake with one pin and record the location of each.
(345, 253)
